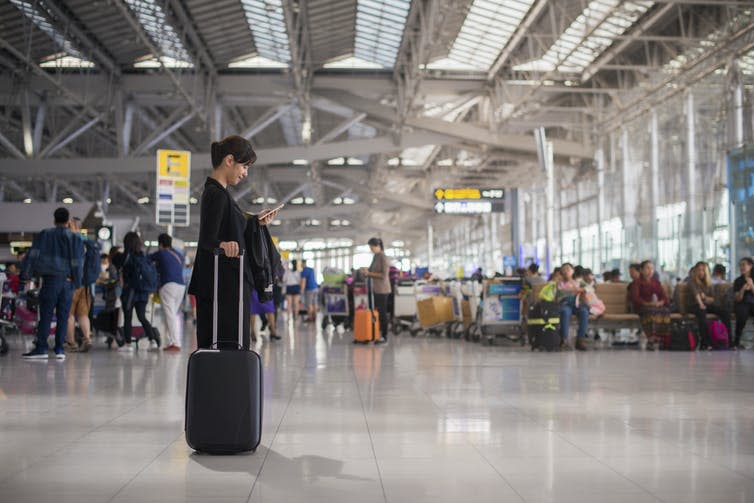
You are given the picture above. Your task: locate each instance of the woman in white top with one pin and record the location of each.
(292, 281)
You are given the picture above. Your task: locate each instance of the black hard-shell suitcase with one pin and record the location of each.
(224, 392)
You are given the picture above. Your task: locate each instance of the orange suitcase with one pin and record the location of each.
(366, 326)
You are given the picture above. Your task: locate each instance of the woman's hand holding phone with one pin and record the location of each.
(266, 217)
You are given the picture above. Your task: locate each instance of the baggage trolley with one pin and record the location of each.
(336, 311)
(404, 308)
(437, 317)
(500, 313)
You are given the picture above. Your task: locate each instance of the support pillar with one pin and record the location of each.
(600, 161)
(654, 166)
(692, 197)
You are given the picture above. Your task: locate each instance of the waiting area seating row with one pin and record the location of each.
(618, 313)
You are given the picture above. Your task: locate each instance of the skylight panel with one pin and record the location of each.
(605, 20)
(486, 30)
(70, 57)
(63, 60)
(266, 20)
(255, 62)
(379, 30)
(152, 18)
(351, 62)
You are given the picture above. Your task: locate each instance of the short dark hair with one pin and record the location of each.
(165, 240)
(237, 146)
(62, 216)
(104, 256)
(534, 268)
(635, 266)
(719, 269)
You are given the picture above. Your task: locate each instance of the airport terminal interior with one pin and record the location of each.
(492, 250)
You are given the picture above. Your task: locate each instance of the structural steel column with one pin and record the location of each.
(692, 195)
(654, 166)
(515, 222)
(550, 215)
(600, 160)
(430, 244)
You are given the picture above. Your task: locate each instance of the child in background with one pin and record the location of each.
(596, 306)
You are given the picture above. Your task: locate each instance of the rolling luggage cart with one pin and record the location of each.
(335, 297)
(500, 314)
(404, 313)
(454, 290)
(434, 309)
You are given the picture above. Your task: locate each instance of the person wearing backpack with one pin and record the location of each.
(81, 303)
(139, 280)
(170, 268)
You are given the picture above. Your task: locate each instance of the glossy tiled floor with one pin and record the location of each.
(420, 420)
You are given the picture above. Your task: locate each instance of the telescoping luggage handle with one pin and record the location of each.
(217, 253)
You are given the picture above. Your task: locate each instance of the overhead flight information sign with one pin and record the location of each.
(469, 201)
(173, 187)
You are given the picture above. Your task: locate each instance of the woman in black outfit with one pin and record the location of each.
(743, 290)
(222, 224)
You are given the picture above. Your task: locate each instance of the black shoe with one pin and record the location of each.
(275, 337)
(381, 341)
(580, 345)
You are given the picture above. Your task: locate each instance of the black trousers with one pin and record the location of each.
(701, 319)
(141, 314)
(743, 311)
(227, 313)
(380, 304)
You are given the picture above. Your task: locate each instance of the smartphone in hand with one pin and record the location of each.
(264, 213)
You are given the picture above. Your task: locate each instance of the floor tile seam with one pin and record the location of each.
(72, 442)
(369, 432)
(277, 430)
(481, 455)
(145, 467)
(615, 471)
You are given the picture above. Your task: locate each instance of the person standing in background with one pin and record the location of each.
(57, 255)
(81, 304)
(292, 279)
(378, 272)
(171, 288)
(310, 290)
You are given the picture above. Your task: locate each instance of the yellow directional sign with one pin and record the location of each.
(173, 187)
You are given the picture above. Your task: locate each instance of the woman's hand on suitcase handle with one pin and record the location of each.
(230, 248)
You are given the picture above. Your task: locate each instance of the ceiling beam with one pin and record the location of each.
(68, 24)
(147, 41)
(280, 155)
(639, 29)
(463, 132)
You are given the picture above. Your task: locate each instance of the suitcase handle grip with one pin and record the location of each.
(217, 252)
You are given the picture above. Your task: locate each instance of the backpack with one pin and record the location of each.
(718, 334)
(142, 276)
(91, 262)
(683, 336)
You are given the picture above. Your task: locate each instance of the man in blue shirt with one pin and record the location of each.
(171, 289)
(310, 289)
(57, 256)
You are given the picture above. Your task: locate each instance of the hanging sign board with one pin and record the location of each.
(173, 187)
(469, 201)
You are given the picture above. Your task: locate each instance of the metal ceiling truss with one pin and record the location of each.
(96, 144)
